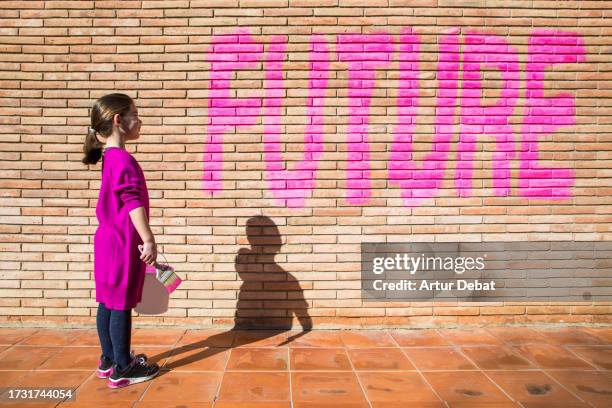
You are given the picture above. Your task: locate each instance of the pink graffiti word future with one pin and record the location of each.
(364, 55)
(232, 53)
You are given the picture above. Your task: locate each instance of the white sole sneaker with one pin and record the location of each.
(125, 381)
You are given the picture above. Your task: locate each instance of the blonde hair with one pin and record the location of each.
(102, 114)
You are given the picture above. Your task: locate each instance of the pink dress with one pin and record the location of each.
(118, 270)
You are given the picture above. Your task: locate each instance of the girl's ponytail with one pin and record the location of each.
(102, 114)
(92, 148)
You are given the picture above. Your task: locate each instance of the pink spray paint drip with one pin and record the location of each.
(546, 114)
(364, 54)
(420, 183)
(229, 53)
(292, 187)
(477, 120)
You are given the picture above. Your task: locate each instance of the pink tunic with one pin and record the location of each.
(118, 270)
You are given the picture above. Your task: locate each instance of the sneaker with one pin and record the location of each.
(138, 371)
(105, 365)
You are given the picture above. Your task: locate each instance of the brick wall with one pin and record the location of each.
(303, 128)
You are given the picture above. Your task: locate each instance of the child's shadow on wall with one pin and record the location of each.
(269, 296)
(268, 299)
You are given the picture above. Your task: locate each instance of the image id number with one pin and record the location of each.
(37, 394)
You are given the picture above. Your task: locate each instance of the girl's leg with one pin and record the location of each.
(120, 333)
(103, 324)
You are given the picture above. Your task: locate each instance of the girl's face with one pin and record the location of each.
(130, 124)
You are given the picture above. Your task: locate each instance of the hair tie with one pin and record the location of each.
(92, 130)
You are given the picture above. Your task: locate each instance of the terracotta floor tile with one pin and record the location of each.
(26, 357)
(94, 390)
(198, 359)
(318, 338)
(599, 334)
(260, 338)
(569, 335)
(254, 386)
(89, 337)
(302, 404)
(599, 356)
(162, 354)
(506, 404)
(551, 357)
(258, 359)
(591, 386)
(466, 337)
(73, 358)
(156, 337)
(244, 404)
(558, 404)
(52, 337)
(319, 359)
(322, 364)
(496, 358)
(438, 358)
(408, 404)
(418, 338)
(326, 387)
(534, 386)
(172, 404)
(604, 334)
(293, 335)
(177, 386)
(518, 335)
(29, 405)
(88, 404)
(12, 335)
(12, 378)
(207, 338)
(465, 386)
(63, 379)
(379, 359)
(367, 339)
(396, 387)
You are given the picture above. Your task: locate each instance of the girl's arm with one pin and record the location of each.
(141, 223)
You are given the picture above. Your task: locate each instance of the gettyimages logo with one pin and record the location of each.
(411, 264)
(487, 271)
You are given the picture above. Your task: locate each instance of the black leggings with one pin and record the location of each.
(114, 330)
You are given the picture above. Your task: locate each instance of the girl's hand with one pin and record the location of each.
(149, 253)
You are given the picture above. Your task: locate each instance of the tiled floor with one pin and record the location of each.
(494, 368)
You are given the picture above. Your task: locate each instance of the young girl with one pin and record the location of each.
(122, 212)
